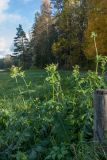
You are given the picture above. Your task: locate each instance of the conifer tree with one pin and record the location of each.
(21, 46)
(43, 36)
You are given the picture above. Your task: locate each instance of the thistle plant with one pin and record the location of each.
(102, 60)
(54, 80)
(17, 72)
(94, 35)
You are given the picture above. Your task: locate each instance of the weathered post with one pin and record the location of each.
(100, 115)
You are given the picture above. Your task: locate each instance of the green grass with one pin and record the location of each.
(36, 79)
(9, 88)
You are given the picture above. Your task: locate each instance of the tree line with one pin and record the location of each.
(61, 34)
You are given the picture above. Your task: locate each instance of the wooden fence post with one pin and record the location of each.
(100, 116)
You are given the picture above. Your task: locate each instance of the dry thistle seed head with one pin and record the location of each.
(16, 71)
(93, 35)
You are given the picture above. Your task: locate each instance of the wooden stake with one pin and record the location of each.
(100, 116)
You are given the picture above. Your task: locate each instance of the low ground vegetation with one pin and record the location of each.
(48, 115)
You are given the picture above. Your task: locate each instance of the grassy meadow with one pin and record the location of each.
(36, 80)
(10, 89)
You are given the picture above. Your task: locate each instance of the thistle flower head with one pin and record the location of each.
(17, 72)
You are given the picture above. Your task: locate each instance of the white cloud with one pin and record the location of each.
(4, 15)
(8, 23)
(10, 19)
(4, 4)
(2, 43)
(4, 47)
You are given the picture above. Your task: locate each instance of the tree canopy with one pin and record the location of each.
(61, 33)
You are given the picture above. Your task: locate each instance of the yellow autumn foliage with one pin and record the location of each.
(97, 22)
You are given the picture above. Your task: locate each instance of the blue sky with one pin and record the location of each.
(13, 13)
